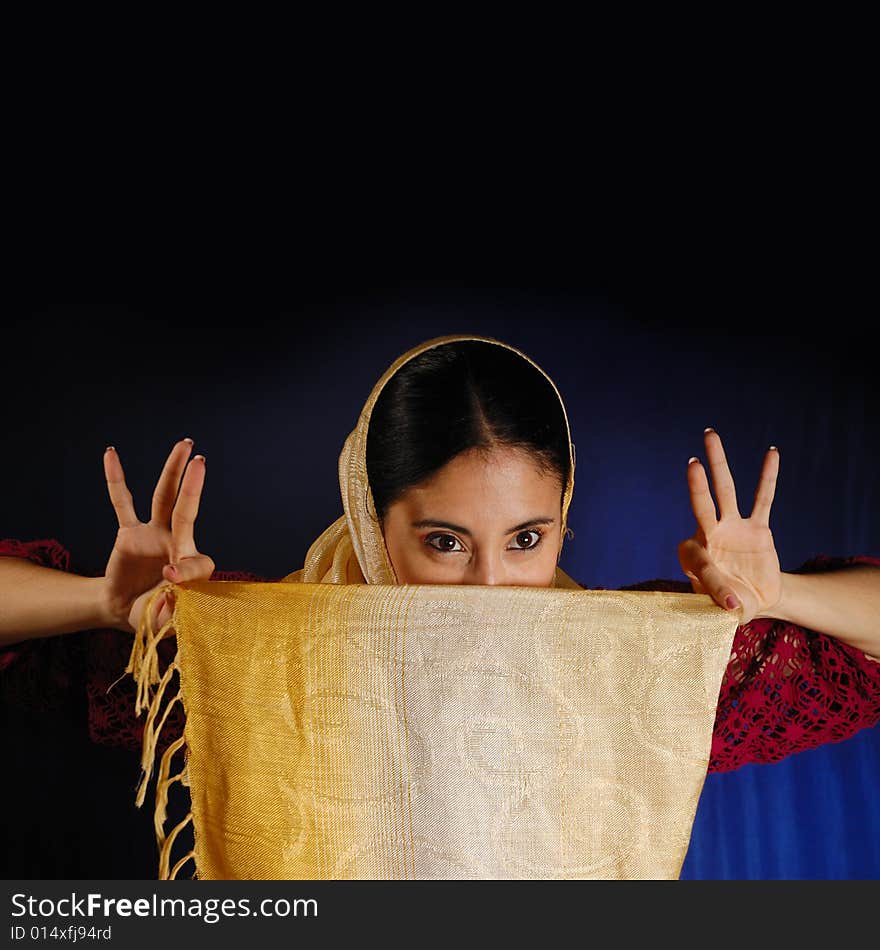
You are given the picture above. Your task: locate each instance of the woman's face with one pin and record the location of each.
(484, 518)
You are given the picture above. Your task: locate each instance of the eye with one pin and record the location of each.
(446, 543)
(527, 540)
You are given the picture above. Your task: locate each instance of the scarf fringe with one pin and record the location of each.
(165, 851)
(164, 781)
(181, 862)
(151, 687)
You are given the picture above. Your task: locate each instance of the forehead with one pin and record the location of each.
(509, 479)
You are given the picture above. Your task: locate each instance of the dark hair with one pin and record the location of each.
(458, 396)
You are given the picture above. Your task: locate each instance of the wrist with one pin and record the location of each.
(788, 593)
(109, 613)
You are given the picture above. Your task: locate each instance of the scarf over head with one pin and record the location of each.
(342, 725)
(352, 550)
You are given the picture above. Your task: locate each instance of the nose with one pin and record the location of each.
(487, 570)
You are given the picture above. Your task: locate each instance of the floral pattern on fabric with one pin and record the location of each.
(786, 689)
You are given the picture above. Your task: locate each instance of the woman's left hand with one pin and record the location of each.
(731, 556)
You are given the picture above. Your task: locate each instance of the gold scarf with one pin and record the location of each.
(342, 725)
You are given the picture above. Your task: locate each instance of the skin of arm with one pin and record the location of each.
(844, 603)
(41, 602)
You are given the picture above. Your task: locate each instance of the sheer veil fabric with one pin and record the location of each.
(340, 725)
(352, 550)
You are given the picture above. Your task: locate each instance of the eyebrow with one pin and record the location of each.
(431, 523)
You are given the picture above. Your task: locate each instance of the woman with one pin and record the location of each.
(461, 471)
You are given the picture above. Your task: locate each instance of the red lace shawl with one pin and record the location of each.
(786, 688)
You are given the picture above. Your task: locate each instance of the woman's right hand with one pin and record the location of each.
(147, 555)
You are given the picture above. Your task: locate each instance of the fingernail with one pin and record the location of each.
(731, 602)
(172, 570)
(693, 459)
(197, 457)
(188, 439)
(773, 448)
(708, 429)
(110, 448)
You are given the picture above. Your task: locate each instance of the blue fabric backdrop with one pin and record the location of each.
(270, 403)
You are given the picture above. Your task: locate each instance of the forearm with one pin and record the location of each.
(843, 603)
(42, 602)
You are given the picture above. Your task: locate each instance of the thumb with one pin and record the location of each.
(199, 567)
(705, 575)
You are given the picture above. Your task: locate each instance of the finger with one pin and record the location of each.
(717, 587)
(687, 552)
(766, 487)
(722, 480)
(199, 567)
(165, 493)
(186, 508)
(695, 582)
(701, 498)
(696, 585)
(165, 610)
(120, 496)
(707, 576)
